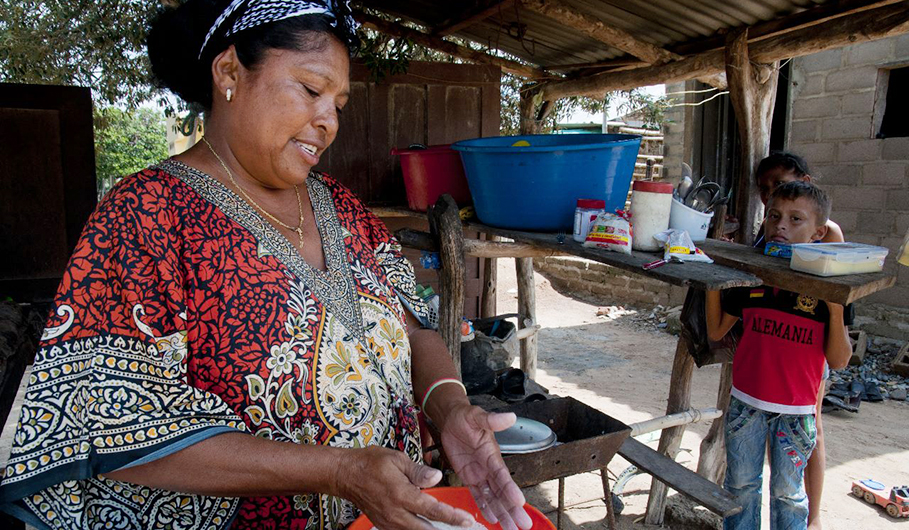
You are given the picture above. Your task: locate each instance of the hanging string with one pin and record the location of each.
(698, 104)
(521, 30)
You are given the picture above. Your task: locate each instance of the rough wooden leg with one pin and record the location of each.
(719, 222)
(561, 503)
(446, 228)
(712, 461)
(607, 498)
(671, 439)
(488, 298)
(527, 310)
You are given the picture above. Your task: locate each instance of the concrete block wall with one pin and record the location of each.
(674, 135)
(831, 125)
(602, 284)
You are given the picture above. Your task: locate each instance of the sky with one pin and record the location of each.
(580, 116)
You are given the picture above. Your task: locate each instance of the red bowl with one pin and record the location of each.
(461, 498)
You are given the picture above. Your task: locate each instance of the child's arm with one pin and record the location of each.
(838, 350)
(718, 321)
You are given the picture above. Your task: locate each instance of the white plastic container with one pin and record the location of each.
(585, 213)
(837, 259)
(650, 205)
(696, 223)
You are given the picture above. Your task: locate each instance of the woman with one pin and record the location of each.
(236, 342)
(773, 171)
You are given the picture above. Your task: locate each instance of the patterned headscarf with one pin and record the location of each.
(258, 12)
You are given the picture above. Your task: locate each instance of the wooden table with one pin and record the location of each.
(735, 266)
(776, 273)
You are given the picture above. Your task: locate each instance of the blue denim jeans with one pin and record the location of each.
(789, 439)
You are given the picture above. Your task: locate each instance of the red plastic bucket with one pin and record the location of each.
(431, 172)
(461, 498)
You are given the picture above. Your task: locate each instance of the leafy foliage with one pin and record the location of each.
(646, 107)
(127, 141)
(100, 44)
(384, 56)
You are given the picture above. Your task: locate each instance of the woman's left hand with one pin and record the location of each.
(471, 447)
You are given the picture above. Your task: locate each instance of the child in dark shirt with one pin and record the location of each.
(777, 371)
(774, 171)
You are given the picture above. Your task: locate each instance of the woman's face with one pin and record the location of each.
(285, 112)
(774, 178)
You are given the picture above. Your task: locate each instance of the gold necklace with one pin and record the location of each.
(298, 229)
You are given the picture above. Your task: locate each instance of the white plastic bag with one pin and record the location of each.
(611, 231)
(678, 244)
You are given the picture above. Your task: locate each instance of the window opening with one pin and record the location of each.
(894, 117)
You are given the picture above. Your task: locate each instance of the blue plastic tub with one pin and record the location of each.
(536, 187)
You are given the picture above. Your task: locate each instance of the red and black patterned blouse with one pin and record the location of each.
(183, 314)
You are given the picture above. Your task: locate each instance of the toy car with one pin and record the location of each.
(894, 500)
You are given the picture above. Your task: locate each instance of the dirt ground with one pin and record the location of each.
(623, 368)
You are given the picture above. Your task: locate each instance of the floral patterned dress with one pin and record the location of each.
(182, 315)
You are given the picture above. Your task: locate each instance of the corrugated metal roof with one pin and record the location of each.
(541, 41)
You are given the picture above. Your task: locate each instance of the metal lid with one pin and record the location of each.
(525, 436)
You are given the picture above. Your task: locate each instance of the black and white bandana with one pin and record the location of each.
(258, 12)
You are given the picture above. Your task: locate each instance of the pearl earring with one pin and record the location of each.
(229, 95)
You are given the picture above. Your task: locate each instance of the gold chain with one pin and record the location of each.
(298, 229)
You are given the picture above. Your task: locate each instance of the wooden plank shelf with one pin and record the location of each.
(698, 275)
(776, 272)
(680, 478)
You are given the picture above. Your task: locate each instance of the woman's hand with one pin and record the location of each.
(386, 485)
(470, 445)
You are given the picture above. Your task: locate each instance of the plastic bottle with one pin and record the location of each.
(584, 214)
(650, 206)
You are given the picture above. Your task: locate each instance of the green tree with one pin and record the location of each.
(127, 141)
(99, 44)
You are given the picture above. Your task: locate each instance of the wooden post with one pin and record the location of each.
(719, 222)
(524, 266)
(671, 439)
(528, 314)
(712, 461)
(488, 297)
(445, 226)
(752, 90)
(528, 111)
(607, 498)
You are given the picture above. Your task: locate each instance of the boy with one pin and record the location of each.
(777, 371)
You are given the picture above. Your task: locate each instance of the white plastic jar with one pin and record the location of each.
(650, 206)
(585, 213)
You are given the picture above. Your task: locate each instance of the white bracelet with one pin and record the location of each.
(439, 383)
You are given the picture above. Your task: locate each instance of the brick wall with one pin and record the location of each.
(601, 284)
(831, 119)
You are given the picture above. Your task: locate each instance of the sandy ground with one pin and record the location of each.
(623, 369)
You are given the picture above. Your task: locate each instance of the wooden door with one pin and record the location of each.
(47, 184)
(433, 103)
